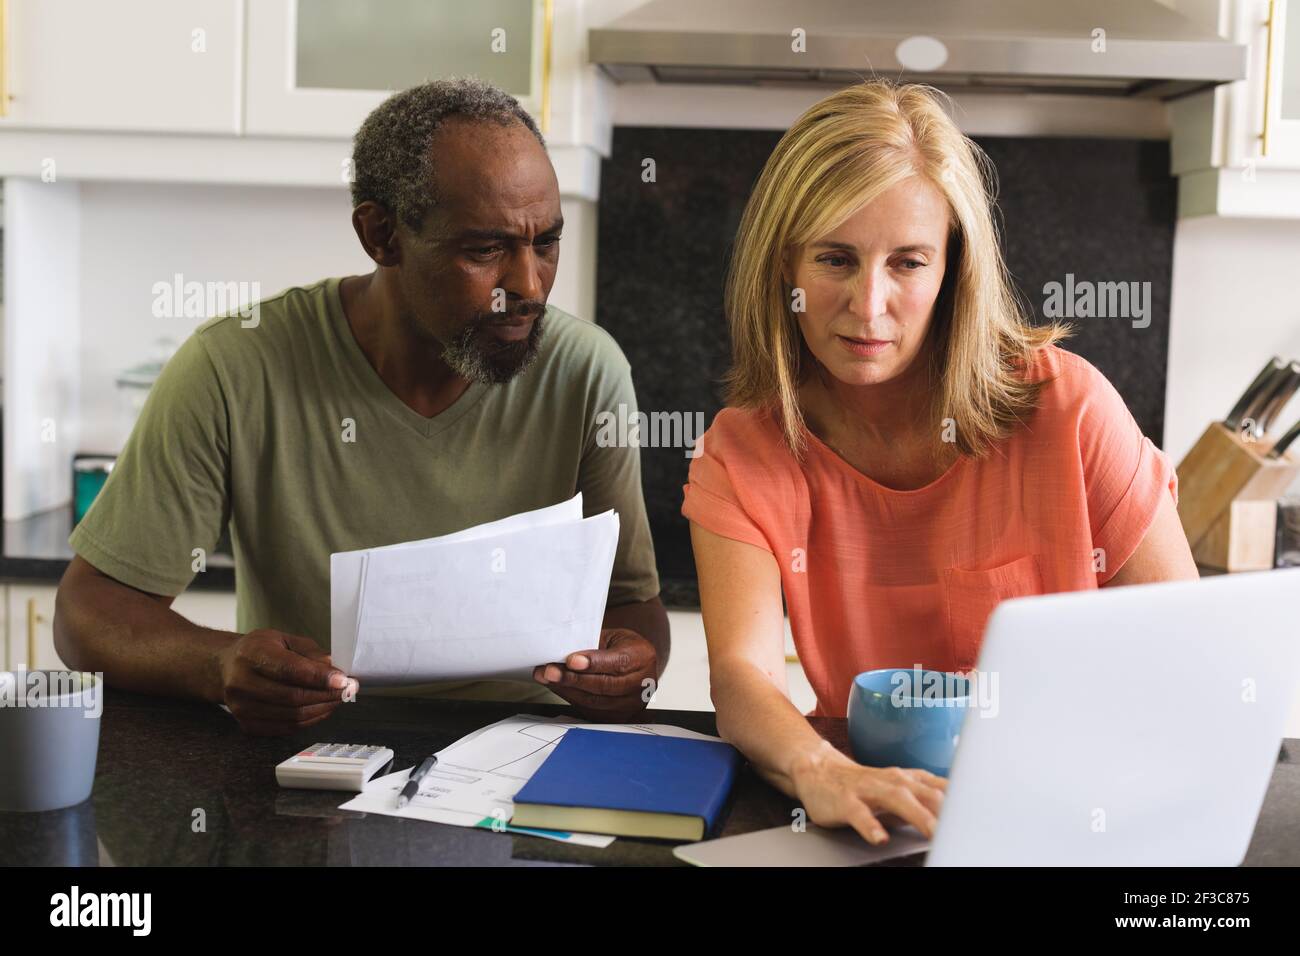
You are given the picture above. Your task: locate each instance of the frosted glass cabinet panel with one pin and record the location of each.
(346, 45)
(1288, 80)
(317, 67)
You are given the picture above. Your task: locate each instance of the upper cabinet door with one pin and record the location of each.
(147, 65)
(1283, 134)
(1263, 112)
(317, 67)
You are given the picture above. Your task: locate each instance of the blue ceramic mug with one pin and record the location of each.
(907, 717)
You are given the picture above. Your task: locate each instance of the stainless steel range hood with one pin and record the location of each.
(988, 45)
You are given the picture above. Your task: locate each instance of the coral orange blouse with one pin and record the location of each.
(875, 577)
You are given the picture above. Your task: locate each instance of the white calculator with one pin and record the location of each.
(332, 766)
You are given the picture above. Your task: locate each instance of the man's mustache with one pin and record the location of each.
(519, 313)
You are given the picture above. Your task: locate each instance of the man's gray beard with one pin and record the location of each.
(467, 359)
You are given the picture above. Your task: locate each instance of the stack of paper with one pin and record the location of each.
(494, 600)
(476, 778)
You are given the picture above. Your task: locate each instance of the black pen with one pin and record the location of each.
(413, 785)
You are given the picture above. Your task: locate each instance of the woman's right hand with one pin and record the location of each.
(836, 791)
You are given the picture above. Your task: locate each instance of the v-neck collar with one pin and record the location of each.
(374, 388)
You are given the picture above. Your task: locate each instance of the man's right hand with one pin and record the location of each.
(277, 683)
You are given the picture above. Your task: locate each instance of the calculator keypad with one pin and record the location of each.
(358, 752)
(327, 766)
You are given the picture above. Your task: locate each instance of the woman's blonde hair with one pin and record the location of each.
(840, 155)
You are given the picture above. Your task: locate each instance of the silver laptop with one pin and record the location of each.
(1132, 726)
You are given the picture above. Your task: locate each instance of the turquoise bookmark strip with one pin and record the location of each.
(487, 824)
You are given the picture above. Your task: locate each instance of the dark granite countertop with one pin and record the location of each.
(161, 760)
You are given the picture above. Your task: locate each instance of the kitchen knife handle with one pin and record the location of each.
(1283, 388)
(1283, 443)
(1254, 392)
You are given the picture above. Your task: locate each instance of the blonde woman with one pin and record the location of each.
(901, 450)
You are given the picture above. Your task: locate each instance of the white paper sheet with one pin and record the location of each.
(476, 777)
(347, 569)
(380, 796)
(495, 600)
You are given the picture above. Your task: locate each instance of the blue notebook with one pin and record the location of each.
(629, 784)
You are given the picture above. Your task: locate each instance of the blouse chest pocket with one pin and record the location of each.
(971, 596)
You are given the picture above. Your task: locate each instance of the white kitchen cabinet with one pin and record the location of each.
(1275, 95)
(317, 67)
(285, 82)
(1236, 148)
(685, 685)
(29, 620)
(147, 65)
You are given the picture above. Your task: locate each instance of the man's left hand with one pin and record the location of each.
(609, 683)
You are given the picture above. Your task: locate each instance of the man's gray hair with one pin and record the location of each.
(392, 163)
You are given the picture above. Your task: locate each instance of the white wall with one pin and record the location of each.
(134, 235)
(1235, 303)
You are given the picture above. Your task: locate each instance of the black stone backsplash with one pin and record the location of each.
(1102, 210)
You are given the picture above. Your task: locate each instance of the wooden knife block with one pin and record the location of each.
(1227, 499)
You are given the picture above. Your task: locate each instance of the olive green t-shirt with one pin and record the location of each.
(277, 428)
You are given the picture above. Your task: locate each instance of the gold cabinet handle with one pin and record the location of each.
(1268, 73)
(548, 22)
(33, 620)
(4, 58)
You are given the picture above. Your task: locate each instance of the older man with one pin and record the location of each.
(438, 392)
